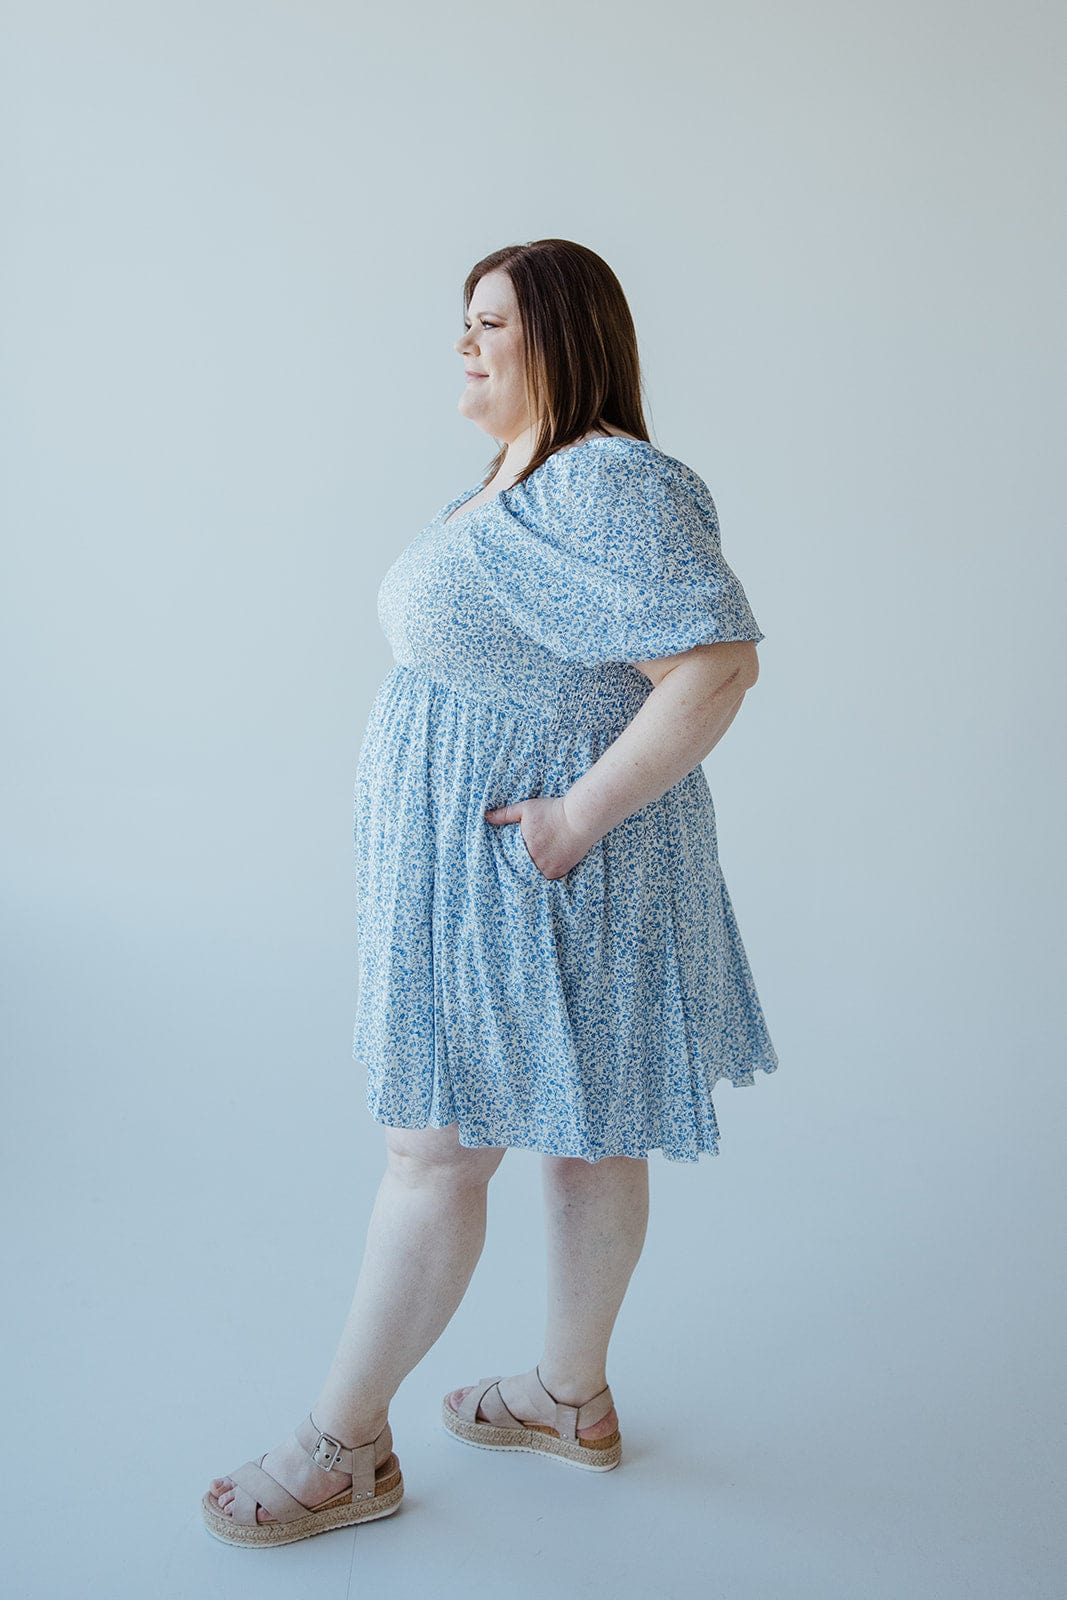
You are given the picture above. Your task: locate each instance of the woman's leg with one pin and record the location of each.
(596, 1218)
(426, 1233)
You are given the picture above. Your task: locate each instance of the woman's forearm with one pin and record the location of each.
(683, 719)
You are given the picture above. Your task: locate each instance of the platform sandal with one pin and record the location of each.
(374, 1492)
(555, 1432)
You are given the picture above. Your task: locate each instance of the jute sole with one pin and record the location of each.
(339, 1512)
(595, 1455)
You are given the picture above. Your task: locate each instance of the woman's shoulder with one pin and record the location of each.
(621, 458)
(632, 480)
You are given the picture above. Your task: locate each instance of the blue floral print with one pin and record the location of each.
(589, 1015)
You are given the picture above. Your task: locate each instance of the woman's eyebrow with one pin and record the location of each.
(483, 314)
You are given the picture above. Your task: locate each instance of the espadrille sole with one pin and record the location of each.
(594, 1455)
(338, 1512)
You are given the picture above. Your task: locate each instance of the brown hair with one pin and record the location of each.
(582, 365)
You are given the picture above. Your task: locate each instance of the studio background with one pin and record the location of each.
(235, 241)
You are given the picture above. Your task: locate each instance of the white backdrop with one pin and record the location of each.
(235, 241)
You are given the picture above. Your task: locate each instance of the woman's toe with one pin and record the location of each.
(225, 1504)
(455, 1400)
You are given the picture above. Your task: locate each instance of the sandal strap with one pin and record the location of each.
(332, 1456)
(253, 1487)
(538, 1406)
(566, 1419)
(486, 1394)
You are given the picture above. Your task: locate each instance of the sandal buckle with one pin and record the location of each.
(333, 1452)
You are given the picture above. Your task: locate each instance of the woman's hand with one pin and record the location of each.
(554, 844)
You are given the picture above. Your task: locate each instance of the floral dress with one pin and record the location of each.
(589, 1015)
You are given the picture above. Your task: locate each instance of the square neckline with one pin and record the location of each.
(451, 512)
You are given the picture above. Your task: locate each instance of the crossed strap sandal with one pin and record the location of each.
(375, 1491)
(553, 1433)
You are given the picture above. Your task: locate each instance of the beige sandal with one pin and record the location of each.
(374, 1492)
(555, 1433)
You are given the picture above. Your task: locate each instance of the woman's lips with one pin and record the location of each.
(471, 375)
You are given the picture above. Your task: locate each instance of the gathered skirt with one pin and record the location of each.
(590, 1015)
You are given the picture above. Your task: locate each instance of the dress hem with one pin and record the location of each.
(670, 1153)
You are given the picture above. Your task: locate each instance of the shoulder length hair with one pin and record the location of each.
(580, 345)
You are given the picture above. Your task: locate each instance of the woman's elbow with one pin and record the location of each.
(744, 665)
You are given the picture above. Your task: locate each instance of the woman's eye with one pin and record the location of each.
(467, 325)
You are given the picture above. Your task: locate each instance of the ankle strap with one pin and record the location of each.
(568, 1419)
(331, 1455)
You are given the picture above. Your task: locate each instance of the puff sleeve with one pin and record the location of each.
(616, 558)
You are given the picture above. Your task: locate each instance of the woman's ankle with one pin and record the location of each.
(350, 1428)
(570, 1390)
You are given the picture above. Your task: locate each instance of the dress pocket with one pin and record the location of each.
(513, 845)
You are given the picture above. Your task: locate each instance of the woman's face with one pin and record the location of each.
(494, 394)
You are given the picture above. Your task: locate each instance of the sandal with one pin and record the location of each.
(374, 1492)
(555, 1433)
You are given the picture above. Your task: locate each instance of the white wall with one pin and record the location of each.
(235, 241)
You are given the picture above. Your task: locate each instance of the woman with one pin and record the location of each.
(549, 957)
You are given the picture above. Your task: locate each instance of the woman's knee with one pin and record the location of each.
(431, 1155)
(568, 1172)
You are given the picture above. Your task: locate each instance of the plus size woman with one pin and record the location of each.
(549, 957)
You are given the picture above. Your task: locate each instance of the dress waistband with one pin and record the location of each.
(574, 703)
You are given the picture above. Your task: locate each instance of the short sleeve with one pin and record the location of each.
(616, 558)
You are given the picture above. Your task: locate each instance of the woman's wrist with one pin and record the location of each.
(584, 829)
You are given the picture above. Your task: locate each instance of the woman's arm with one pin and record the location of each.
(696, 697)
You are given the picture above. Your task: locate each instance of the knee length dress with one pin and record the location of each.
(589, 1015)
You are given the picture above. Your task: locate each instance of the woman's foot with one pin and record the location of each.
(294, 1469)
(512, 1399)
